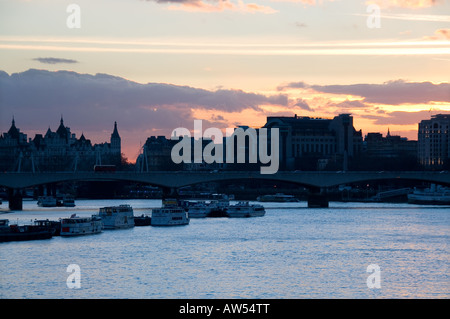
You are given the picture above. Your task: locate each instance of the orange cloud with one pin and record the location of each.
(220, 5)
(440, 34)
(405, 3)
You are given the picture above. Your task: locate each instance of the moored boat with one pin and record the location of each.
(22, 232)
(53, 225)
(75, 226)
(68, 201)
(244, 209)
(278, 198)
(142, 220)
(116, 217)
(435, 195)
(199, 209)
(170, 214)
(47, 201)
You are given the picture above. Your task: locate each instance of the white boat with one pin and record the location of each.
(47, 201)
(435, 195)
(170, 214)
(68, 201)
(279, 198)
(52, 201)
(199, 209)
(214, 208)
(244, 209)
(75, 226)
(116, 217)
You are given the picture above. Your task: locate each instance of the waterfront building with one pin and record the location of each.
(310, 143)
(60, 150)
(390, 146)
(434, 141)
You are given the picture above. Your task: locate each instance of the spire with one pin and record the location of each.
(62, 130)
(388, 133)
(13, 131)
(115, 133)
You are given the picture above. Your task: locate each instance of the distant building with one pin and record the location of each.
(434, 141)
(156, 155)
(391, 146)
(316, 140)
(59, 150)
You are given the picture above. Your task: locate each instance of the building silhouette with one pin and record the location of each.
(434, 142)
(312, 143)
(390, 146)
(58, 150)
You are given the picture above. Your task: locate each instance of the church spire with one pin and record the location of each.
(115, 133)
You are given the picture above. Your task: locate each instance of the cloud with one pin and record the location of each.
(399, 117)
(303, 105)
(54, 60)
(216, 6)
(405, 3)
(292, 85)
(391, 92)
(350, 104)
(36, 95)
(440, 34)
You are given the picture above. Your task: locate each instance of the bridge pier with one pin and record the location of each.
(15, 199)
(317, 198)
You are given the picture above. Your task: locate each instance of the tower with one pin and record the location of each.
(115, 140)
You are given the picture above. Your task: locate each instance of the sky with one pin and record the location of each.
(156, 65)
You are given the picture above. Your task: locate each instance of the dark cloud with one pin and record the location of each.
(54, 60)
(293, 85)
(399, 117)
(303, 105)
(350, 104)
(390, 93)
(393, 92)
(93, 102)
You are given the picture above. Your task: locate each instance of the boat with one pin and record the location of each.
(75, 226)
(52, 201)
(213, 208)
(279, 198)
(116, 217)
(216, 208)
(67, 201)
(244, 209)
(53, 225)
(142, 220)
(435, 195)
(170, 214)
(199, 209)
(22, 232)
(47, 201)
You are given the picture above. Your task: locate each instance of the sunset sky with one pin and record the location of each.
(156, 65)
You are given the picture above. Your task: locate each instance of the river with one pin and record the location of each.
(291, 252)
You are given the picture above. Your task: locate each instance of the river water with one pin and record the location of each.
(292, 252)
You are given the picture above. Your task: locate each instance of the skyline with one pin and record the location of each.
(193, 133)
(153, 66)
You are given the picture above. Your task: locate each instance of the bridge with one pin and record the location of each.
(171, 180)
